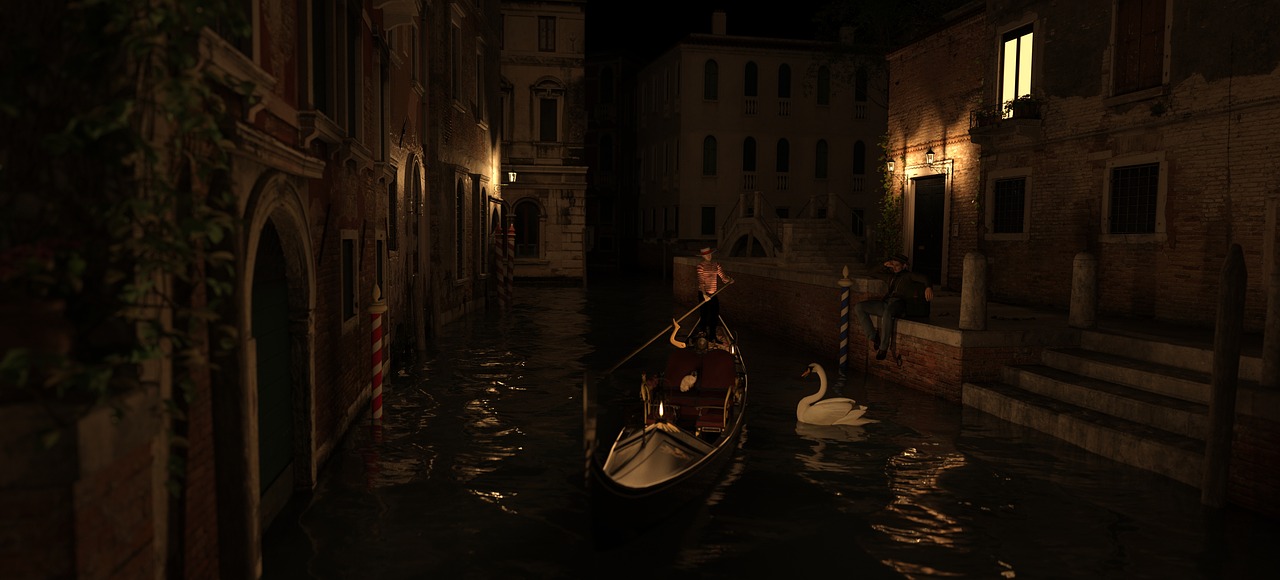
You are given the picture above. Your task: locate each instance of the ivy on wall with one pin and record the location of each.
(889, 227)
(115, 219)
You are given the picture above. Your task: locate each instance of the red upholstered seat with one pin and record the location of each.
(717, 371)
(679, 364)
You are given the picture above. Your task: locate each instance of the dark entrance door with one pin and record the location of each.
(926, 239)
(271, 332)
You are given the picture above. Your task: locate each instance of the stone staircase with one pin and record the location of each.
(819, 244)
(1142, 401)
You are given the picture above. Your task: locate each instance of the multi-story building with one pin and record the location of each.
(543, 134)
(611, 156)
(1123, 136)
(774, 129)
(1111, 127)
(364, 170)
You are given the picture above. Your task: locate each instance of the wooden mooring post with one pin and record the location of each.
(1228, 331)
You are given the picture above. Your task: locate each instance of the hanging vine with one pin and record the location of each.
(890, 224)
(110, 225)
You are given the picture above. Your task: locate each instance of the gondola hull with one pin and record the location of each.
(673, 455)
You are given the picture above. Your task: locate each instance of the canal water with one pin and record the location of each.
(478, 473)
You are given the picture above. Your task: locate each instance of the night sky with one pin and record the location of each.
(646, 29)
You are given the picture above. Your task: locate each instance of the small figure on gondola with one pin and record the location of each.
(710, 273)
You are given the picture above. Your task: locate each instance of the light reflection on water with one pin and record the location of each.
(479, 474)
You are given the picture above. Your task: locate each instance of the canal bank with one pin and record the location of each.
(1135, 391)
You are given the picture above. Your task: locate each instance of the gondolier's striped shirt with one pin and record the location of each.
(709, 275)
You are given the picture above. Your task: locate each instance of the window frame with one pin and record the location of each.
(1162, 188)
(710, 153)
(1118, 53)
(546, 34)
(711, 80)
(1019, 34)
(989, 204)
(348, 282)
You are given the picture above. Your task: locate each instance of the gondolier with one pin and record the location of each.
(710, 273)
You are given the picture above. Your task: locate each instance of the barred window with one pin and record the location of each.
(1135, 189)
(1009, 204)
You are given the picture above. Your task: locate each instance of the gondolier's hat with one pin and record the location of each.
(901, 258)
(705, 252)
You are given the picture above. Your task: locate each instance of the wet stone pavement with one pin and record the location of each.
(478, 473)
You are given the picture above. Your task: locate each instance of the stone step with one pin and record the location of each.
(1192, 357)
(1175, 456)
(1166, 413)
(1149, 376)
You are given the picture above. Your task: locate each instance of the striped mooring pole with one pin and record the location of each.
(499, 264)
(376, 310)
(510, 261)
(845, 283)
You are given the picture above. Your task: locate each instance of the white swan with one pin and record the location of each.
(834, 411)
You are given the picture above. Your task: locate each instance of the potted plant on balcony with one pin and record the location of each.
(1024, 107)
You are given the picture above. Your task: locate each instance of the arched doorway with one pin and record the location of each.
(528, 225)
(273, 342)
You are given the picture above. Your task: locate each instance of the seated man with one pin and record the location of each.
(902, 289)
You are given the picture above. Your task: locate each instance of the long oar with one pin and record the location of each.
(665, 330)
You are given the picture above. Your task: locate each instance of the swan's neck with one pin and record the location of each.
(822, 388)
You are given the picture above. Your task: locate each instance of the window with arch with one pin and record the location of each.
(783, 163)
(859, 158)
(749, 154)
(823, 86)
(606, 153)
(784, 81)
(549, 93)
(711, 80)
(528, 224)
(393, 215)
(709, 155)
(460, 231)
(860, 85)
(751, 80)
(820, 159)
(606, 85)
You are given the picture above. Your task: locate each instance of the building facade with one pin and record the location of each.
(364, 169)
(730, 124)
(1114, 128)
(543, 109)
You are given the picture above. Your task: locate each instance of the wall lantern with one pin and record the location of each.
(928, 157)
(889, 166)
(511, 175)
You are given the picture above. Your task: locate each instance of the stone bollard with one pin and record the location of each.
(1084, 291)
(1227, 334)
(973, 292)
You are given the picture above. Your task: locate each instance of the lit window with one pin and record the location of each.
(1015, 65)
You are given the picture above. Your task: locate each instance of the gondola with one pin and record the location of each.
(678, 441)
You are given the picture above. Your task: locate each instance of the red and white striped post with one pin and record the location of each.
(510, 260)
(376, 310)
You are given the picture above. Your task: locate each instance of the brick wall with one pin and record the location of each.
(805, 308)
